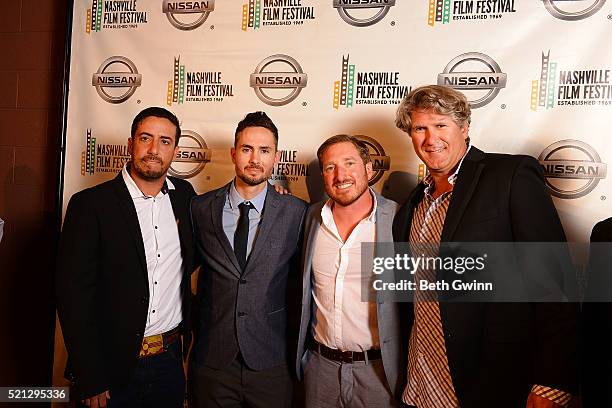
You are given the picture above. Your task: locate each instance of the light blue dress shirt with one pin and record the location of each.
(231, 213)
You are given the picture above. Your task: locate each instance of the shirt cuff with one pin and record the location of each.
(557, 396)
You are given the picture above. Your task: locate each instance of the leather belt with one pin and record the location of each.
(158, 343)
(344, 356)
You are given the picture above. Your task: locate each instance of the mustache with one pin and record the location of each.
(254, 166)
(152, 157)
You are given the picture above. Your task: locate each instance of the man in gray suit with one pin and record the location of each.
(247, 239)
(351, 352)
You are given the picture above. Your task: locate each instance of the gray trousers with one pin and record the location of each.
(330, 384)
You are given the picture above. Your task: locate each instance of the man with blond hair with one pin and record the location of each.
(480, 354)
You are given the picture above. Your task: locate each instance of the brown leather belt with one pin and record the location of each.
(158, 343)
(344, 356)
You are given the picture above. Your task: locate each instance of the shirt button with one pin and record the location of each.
(158, 255)
(153, 311)
(156, 282)
(156, 227)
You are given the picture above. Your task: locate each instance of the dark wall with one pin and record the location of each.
(32, 37)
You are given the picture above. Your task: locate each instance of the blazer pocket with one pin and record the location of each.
(277, 311)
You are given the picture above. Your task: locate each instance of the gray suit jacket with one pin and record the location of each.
(393, 337)
(247, 311)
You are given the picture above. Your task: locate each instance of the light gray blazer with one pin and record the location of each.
(393, 339)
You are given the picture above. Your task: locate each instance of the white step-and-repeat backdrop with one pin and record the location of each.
(537, 72)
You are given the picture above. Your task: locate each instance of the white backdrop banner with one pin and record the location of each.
(536, 73)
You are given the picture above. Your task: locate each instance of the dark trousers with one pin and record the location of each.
(238, 386)
(157, 382)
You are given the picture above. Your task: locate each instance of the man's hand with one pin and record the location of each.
(97, 401)
(281, 190)
(535, 401)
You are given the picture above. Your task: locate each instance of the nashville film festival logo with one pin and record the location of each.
(360, 14)
(367, 88)
(196, 86)
(192, 13)
(288, 168)
(258, 13)
(192, 156)
(380, 161)
(572, 168)
(465, 73)
(116, 79)
(440, 11)
(278, 83)
(560, 87)
(115, 14)
(102, 158)
(575, 11)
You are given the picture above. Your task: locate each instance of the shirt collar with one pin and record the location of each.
(235, 198)
(452, 179)
(327, 216)
(133, 188)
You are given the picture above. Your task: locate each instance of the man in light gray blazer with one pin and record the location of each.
(247, 239)
(351, 352)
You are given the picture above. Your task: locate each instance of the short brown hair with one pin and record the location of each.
(442, 99)
(361, 147)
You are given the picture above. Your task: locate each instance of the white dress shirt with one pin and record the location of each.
(162, 246)
(342, 320)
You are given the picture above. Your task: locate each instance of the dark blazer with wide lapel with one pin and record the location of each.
(597, 319)
(102, 283)
(391, 322)
(248, 310)
(497, 351)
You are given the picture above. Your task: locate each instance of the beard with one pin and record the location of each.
(253, 180)
(348, 199)
(143, 168)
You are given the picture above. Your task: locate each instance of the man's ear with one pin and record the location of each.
(465, 130)
(233, 154)
(130, 145)
(369, 169)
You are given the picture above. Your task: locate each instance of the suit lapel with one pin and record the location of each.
(311, 229)
(467, 181)
(128, 211)
(401, 227)
(217, 221)
(180, 214)
(268, 220)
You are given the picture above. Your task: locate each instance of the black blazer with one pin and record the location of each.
(597, 320)
(255, 311)
(497, 351)
(101, 282)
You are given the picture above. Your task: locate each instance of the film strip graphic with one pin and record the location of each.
(251, 15)
(94, 17)
(88, 157)
(439, 11)
(421, 173)
(343, 90)
(176, 87)
(543, 90)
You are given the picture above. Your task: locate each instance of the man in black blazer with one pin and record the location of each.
(597, 319)
(247, 238)
(123, 275)
(480, 354)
